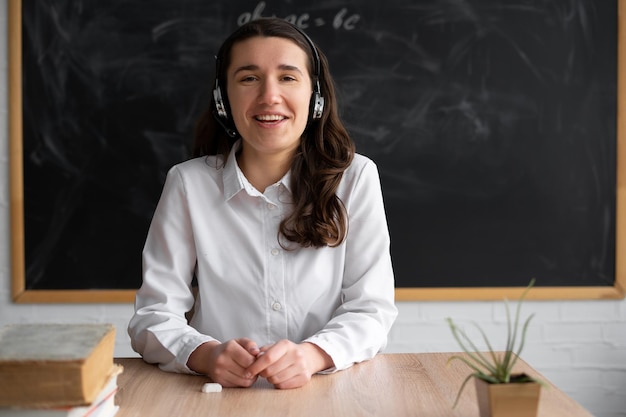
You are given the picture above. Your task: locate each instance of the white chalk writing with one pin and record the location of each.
(342, 20)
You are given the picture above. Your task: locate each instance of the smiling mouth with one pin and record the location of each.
(269, 118)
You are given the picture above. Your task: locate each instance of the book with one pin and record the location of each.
(103, 406)
(47, 365)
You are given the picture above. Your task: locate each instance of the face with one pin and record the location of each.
(269, 90)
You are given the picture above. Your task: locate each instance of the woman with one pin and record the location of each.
(278, 220)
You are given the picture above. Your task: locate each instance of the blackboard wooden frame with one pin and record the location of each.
(21, 295)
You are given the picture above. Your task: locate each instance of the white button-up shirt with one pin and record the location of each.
(211, 223)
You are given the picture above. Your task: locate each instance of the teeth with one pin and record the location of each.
(269, 117)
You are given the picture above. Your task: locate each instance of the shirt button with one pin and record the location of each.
(275, 252)
(271, 206)
(276, 306)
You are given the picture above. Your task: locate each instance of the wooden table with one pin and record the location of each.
(390, 385)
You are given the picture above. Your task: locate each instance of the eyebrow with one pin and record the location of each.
(253, 67)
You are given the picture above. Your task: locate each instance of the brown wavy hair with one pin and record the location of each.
(319, 217)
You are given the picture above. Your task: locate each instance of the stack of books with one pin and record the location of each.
(58, 370)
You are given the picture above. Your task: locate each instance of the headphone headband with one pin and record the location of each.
(316, 57)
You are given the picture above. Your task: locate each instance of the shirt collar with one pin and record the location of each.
(235, 181)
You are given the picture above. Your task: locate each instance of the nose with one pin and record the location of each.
(270, 92)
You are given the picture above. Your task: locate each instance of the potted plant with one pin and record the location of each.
(499, 391)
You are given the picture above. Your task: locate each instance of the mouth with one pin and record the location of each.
(269, 118)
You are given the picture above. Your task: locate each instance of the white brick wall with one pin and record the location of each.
(578, 345)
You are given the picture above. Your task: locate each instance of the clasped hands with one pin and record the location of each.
(239, 362)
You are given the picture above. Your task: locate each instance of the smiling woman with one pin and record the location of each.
(318, 217)
(269, 90)
(279, 221)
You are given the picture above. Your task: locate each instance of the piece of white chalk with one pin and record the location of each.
(211, 387)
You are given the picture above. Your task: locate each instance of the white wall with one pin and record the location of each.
(578, 345)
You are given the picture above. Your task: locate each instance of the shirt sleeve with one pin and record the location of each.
(359, 327)
(158, 330)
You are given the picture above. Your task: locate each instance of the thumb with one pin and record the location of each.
(249, 345)
(254, 350)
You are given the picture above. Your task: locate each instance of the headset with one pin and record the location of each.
(317, 100)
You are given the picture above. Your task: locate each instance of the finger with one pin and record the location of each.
(263, 349)
(229, 364)
(233, 380)
(293, 375)
(267, 360)
(239, 352)
(249, 345)
(277, 377)
(291, 370)
(296, 381)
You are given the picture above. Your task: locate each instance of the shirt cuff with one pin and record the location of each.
(190, 342)
(327, 346)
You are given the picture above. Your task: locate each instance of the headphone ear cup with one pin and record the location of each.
(220, 107)
(318, 106)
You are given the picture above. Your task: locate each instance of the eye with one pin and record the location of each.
(248, 79)
(288, 78)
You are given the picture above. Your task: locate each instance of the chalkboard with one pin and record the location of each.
(494, 126)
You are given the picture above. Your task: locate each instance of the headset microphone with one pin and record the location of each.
(220, 107)
(230, 131)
